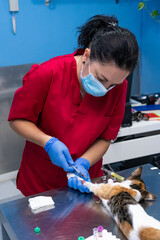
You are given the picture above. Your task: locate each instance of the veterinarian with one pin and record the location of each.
(70, 107)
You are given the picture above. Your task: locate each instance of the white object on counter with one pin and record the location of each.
(105, 235)
(40, 201)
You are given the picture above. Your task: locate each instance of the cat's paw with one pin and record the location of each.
(89, 185)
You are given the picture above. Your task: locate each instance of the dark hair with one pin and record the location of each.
(109, 42)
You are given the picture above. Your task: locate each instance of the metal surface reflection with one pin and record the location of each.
(75, 214)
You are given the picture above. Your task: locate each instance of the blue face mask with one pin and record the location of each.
(92, 86)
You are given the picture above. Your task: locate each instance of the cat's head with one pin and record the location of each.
(138, 184)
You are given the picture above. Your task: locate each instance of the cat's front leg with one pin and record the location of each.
(90, 186)
(101, 190)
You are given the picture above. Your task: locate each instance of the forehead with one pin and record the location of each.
(110, 71)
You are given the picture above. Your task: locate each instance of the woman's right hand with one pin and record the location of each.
(59, 154)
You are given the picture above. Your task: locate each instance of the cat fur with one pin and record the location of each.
(121, 201)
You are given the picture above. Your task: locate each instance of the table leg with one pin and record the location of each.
(4, 233)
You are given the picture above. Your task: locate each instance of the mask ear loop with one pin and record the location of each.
(83, 64)
(82, 68)
(89, 66)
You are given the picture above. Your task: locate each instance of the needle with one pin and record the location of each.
(77, 171)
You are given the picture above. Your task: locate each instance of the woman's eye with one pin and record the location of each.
(101, 80)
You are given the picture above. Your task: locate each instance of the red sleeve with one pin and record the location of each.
(116, 119)
(29, 99)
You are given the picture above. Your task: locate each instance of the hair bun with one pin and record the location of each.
(113, 24)
(95, 25)
(108, 42)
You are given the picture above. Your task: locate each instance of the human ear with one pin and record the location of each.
(86, 56)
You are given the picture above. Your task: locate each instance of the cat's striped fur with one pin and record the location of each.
(121, 200)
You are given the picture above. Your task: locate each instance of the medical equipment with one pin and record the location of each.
(95, 233)
(120, 178)
(100, 230)
(77, 171)
(105, 235)
(47, 2)
(13, 7)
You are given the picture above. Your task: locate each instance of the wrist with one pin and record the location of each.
(44, 140)
(48, 144)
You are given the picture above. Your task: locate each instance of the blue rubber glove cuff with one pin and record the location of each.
(49, 143)
(84, 162)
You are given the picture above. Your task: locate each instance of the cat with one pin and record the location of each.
(121, 200)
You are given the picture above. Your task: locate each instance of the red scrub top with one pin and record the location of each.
(50, 97)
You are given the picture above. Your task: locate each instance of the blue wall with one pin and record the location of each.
(150, 50)
(44, 32)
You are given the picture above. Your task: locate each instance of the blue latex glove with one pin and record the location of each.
(59, 154)
(82, 164)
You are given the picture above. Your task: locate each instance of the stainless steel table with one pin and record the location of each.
(74, 215)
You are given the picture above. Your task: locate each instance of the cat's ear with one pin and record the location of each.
(149, 196)
(137, 173)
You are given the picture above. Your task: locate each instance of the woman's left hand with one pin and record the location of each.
(83, 165)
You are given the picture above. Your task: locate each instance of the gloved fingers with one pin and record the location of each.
(88, 179)
(83, 171)
(67, 168)
(79, 175)
(72, 182)
(68, 161)
(82, 188)
(84, 162)
(65, 165)
(68, 156)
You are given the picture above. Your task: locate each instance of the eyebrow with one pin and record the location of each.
(103, 78)
(109, 81)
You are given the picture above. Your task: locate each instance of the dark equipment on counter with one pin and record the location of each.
(138, 116)
(146, 98)
(127, 120)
